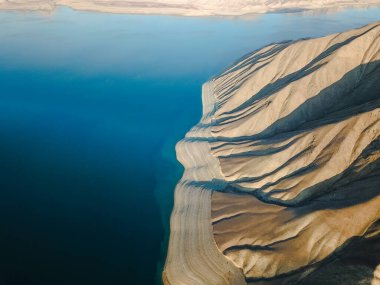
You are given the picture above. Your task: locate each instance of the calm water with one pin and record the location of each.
(91, 106)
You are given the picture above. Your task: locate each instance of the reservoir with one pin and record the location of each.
(91, 107)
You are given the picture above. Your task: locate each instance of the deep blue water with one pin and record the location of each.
(91, 106)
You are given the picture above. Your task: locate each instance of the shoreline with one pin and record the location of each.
(180, 11)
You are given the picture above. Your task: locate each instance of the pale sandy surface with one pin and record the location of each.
(185, 7)
(193, 257)
(376, 277)
(289, 150)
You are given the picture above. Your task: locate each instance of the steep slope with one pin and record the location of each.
(185, 7)
(288, 155)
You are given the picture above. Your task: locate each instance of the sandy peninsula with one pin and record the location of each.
(282, 173)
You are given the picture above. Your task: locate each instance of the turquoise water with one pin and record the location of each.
(91, 106)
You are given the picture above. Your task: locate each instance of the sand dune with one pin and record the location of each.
(287, 159)
(185, 7)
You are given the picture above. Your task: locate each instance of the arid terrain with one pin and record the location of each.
(282, 180)
(185, 7)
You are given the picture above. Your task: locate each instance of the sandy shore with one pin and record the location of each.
(183, 7)
(288, 149)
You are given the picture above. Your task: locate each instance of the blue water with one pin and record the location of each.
(91, 106)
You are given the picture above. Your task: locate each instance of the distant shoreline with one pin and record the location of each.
(194, 10)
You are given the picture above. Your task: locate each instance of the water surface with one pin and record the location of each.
(91, 106)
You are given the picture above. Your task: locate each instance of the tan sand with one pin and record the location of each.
(288, 149)
(185, 7)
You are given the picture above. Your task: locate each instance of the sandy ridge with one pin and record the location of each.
(289, 148)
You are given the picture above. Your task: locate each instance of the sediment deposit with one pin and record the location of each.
(185, 7)
(282, 179)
